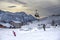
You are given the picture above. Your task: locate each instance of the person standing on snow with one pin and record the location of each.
(44, 27)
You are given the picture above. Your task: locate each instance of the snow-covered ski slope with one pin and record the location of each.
(49, 34)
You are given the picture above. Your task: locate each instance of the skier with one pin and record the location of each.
(14, 33)
(10, 26)
(44, 27)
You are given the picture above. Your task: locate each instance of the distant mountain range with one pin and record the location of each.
(17, 16)
(23, 17)
(49, 19)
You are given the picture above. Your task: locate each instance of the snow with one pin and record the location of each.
(6, 24)
(17, 21)
(49, 34)
(32, 31)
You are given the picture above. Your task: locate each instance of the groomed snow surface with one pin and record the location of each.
(49, 34)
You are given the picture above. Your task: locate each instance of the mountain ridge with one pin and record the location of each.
(17, 16)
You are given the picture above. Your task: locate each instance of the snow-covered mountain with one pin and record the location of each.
(18, 16)
(31, 31)
(49, 19)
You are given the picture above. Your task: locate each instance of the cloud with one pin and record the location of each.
(20, 2)
(53, 9)
(11, 6)
(44, 7)
(14, 1)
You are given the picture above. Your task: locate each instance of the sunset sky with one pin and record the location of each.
(44, 7)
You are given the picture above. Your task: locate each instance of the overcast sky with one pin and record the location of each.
(44, 7)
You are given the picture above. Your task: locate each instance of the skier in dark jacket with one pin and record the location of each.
(44, 27)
